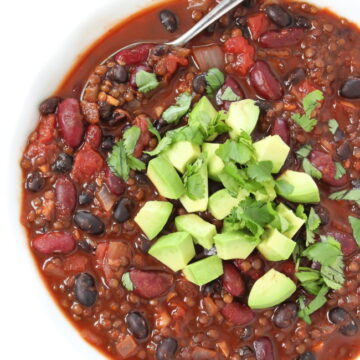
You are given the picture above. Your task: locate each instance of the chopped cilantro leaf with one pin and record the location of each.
(340, 171)
(333, 275)
(355, 226)
(175, 112)
(131, 137)
(214, 80)
(312, 224)
(194, 180)
(146, 81)
(260, 171)
(350, 195)
(229, 95)
(126, 281)
(323, 252)
(283, 187)
(300, 212)
(304, 151)
(310, 169)
(310, 103)
(333, 126)
(153, 130)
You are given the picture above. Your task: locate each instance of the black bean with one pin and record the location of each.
(245, 351)
(323, 213)
(212, 288)
(143, 244)
(338, 315)
(107, 143)
(63, 163)
(87, 245)
(117, 73)
(141, 179)
(89, 223)
(264, 105)
(278, 15)
(145, 158)
(34, 182)
(211, 28)
(169, 20)
(241, 23)
(246, 333)
(160, 50)
(137, 325)
(166, 349)
(85, 289)
(306, 356)
(49, 105)
(199, 83)
(295, 77)
(339, 135)
(122, 210)
(118, 116)
(285, 315)
(247, 3)
(85, 198)
(349, 329)
(351, 89)
(105, 110)
(344, 151)
(356, 183)
(302, 22)
(214, 186)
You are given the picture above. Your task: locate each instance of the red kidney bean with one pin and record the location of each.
(70, 121)
(140, 122)
(348, 243)
(280, 127)
(93, 136)
(263, 349)
(281, 38)
(54, 242)
(324, 162)
(65, 193)
(287, 268)
(115, 184)
(150, 284)
(237, 313)
(234, 86)
(232, 280)
(264, 81)
(134, 56)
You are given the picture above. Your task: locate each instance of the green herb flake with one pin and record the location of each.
(214, 80)
(333, 126)
(349, 195)
(146, 81)
(355, 226)
(310, 103)
(229, 95)
(311, 170)
(313, 222)
(194, 180)
(304, 151)
(174, 113)
(126, 281)
(283, 187)
(340, 171)
(153, 130)
(260, 171)
(131, 137)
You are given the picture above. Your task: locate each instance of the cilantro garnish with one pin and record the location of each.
(310, 103)
(131, 137)
(194, 180)
(350, 195)
(340, 171)
(355, 226)
(153, 130)
(229, 95)
(333, 126)
(214, 80)
(283, 187)
(304, 151)
(260, 171)
(146, 81)
(126, 281)
(310, 169)
(175, 112)
(313, 222)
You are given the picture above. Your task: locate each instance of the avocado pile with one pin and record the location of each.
(251, 218)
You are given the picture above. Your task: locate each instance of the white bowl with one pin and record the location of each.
(42, 52)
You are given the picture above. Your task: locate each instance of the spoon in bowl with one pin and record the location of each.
(216, 13)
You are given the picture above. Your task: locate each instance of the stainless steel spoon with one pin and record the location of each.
(216, 13)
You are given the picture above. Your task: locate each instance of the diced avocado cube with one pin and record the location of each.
(266, 194)
(153, 216)
(295, 222)
(204, 271)
(271, 289)
(274, 149)
(165, 178)
(203, 111)
(202, 232)
(234, 245)
(182, 153)
(304, 189)
(174, 250)
(276, 246)
(215, 164)
(191, 205)
(243, 116)
(221, 203)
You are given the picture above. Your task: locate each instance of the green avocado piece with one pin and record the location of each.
(243, 116)
(304, 189)
(174, 250)
(234, 245)
(215, 164)
(295, 222)
(276, 246)
(202, 231)
(165, 178)
(153, 216)
(181, 154)
(266, 194)
(191, 205)
(271, 289)
(221, 203)
(274, 149)
(204, 271)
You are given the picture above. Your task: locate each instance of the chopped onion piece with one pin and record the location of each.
(106, 198)
(209, 56)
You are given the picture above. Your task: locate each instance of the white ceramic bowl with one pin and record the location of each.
(53, 39)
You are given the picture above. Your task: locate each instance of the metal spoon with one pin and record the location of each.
(216, 13)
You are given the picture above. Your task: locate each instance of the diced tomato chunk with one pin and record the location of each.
(244, 54)
(258, 24)
(75, 263)
(144, 138)
(303, 89)
(172, 62)
(88, 163)
(46, 130)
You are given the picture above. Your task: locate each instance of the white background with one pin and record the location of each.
(31, 32)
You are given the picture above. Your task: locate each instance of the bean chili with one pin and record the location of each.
(79, 213)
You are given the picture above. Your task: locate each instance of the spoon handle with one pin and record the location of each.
(217, 12)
